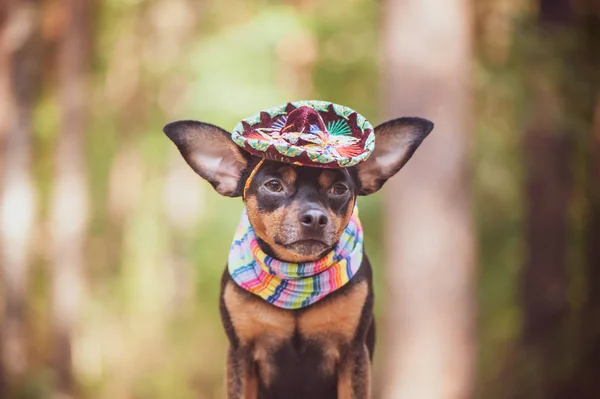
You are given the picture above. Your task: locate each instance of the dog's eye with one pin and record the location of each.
(274, 185)
(338, 189)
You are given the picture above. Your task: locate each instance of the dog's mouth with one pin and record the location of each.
(310, 247)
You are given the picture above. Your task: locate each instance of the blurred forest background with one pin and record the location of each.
(486, 247)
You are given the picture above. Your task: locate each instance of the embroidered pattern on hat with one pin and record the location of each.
(307, 133)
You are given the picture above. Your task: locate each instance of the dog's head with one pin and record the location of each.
(298, 212)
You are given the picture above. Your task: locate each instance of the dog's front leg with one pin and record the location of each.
(242, 381)
(354, 377)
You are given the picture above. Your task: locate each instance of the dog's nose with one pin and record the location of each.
(314, 219)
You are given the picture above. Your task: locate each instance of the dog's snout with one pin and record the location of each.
(314, 219)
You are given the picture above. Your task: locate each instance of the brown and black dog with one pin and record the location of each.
(322, 351)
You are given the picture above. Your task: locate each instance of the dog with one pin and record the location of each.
(298, 214)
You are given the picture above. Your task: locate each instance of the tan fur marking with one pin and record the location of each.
(260, 327)
(326, 179)
(366, 368)
(254, 215)
(288, 256)
(255, 320)
(288, 174)
(345, 382)
(264, 362)
(341, 222)
(331, 355)
(337, 317)
(250, 382)
(354, 377)
(242, 381)
(267, 225)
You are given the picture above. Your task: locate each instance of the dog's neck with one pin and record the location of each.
(266, 248)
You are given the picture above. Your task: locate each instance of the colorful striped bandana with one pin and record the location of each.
(294, 285)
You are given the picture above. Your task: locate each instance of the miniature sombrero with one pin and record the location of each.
(309, 133)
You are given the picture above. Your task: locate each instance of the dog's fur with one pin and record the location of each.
(298, 213)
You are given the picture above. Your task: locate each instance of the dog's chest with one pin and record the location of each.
(279, 338)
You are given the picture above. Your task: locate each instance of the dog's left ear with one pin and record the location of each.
(212, 154)
(395, 142)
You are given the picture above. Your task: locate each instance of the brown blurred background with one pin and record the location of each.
(486, 246)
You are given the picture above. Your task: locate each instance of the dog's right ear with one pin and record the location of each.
(395, 142)
(212, 154)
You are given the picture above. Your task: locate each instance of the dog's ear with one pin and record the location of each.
(395, 142)
(212, 154)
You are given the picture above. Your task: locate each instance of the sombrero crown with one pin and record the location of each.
(308, 133)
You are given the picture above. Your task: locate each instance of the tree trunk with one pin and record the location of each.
(548, 179)
(585, 381)
(19, 68)
(69, 202)
(429, 336)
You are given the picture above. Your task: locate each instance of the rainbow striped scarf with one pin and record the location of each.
(294, 285)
